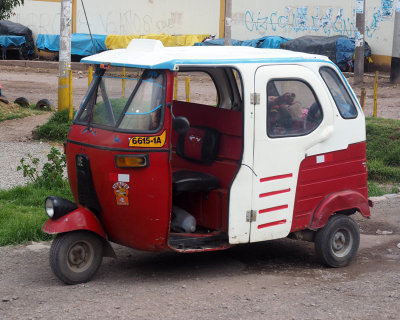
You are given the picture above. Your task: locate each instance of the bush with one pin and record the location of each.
(51, 175)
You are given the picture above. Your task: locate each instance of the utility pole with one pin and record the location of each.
(395, 65)
(228, 22)
(64, 66)
(359, 42)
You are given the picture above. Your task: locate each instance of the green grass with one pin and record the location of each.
(56, 129)
(383, 155)
(10, 112)
(22, 213)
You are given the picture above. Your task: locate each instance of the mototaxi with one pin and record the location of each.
(279, 151)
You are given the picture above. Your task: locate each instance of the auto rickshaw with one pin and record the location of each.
(279, 152)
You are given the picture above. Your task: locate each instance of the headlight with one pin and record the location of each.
(49, 208)
(57, 207)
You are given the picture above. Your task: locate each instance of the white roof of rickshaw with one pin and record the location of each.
(151, 54)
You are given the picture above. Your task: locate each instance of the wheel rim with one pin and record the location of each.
(80, 256)
(342, 242)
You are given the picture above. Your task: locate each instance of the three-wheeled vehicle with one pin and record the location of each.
(278, 151)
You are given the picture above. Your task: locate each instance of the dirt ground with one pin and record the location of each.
(273, 280)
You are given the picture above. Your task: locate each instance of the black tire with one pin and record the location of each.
(4, 99)
(44, 104)
(76, 256)
(337, 243)
(22, 101)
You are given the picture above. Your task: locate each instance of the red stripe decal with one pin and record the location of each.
(262, 195)
(282, 176)
(266, 225)
(273, 209)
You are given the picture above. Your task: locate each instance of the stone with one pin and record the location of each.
(392, 196)
(378, 199)
(384, 232)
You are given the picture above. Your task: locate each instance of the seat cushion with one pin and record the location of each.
(199, 144)
(193, 181)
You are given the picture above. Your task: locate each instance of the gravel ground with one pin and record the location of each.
(16, 143)
(11, 153)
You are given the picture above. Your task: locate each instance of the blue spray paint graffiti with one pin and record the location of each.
(302, 19)
(387, 9)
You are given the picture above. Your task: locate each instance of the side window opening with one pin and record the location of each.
(340, 95)
(216, 87)
(196, 87)
(292, 109)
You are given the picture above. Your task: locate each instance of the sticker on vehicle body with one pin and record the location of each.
(121, 191)
(148, 141)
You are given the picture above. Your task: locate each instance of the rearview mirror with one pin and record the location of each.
(180, 124)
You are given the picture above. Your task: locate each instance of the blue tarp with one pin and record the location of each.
(337, 48)
(345, 48)
(81, 43)
(16, 41)
(271, 42)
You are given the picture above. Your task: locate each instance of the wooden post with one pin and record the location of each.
(187, 86)
(222, 19)
(90, 75)
(376, 94)
(362, 98)
(176, 87)
(123, 81)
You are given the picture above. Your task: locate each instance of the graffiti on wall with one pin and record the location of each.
(329, 21)
(128, 22)
(387, 9)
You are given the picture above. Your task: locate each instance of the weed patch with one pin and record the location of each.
(13, 111)
(56, 129)
(22, 212)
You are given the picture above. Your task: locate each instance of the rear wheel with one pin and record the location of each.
(337, 243)
(76, 256)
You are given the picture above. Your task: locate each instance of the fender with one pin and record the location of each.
(78, 219)
(339, 201)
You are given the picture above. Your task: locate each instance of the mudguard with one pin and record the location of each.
(79, 219)
(339, 201)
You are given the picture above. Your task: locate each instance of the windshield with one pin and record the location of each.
(124, 102)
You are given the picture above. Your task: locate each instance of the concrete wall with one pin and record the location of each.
(292, 19)
(145, 16)
(40, 17)
(125, 16)
(251, 19)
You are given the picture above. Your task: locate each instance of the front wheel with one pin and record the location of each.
(337, 243)
(76, 256)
